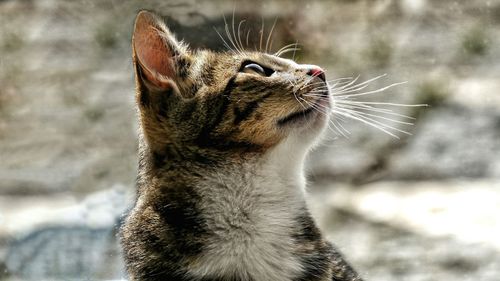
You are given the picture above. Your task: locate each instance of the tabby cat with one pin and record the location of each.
(221, 185)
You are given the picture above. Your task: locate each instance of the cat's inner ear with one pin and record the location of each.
(155, 49)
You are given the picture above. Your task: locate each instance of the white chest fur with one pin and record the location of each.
(252, 214)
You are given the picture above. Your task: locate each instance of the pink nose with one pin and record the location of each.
(317, 72)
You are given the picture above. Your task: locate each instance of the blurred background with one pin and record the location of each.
(425, 206)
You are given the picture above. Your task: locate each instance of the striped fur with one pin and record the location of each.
(220, 184)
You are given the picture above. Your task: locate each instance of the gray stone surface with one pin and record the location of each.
(435, 152)
(440, 230)
(65, 253)
(60, 238)
(385, 253)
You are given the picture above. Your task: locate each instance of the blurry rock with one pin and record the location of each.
(61, 238)
(21, 215)
(414, 7)
(453, 142)
(66, 253)
(340, 159)
(477, 92)
(414, 232)
(357, 156)
(36, 180)
(467, 211)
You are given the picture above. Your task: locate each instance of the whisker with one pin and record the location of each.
(378, 116)
(345, 105)
(306, 83)
(352, 89)
(228, 34)
(374, 109)
(295, 92)
(349, 115)
(289, 46)
(234, 32)
(337, 82)
(325, 111)
(340, 129)
(374, 91)
(392, 104)
(352, 85)
(294, 51)
(232, 27)
(223, 40)
(248, 34)
(357, 114)
(261, 34)
(341, 126)
(270, 35)
(288, 51)
(239, 37)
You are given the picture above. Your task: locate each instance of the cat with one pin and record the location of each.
(220, 187)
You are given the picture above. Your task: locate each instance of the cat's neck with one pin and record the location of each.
(254, 211)
(247, 217)
(276, 177)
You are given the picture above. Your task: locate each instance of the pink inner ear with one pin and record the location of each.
(151, 50)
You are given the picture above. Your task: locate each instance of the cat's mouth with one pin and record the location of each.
(304, 114)
(296, 116)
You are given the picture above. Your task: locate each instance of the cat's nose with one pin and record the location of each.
(316, 71)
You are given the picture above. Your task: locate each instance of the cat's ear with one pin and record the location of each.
(156, 52)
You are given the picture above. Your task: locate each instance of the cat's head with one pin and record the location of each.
(234, 101)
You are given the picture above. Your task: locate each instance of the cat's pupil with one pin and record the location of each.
(253, 67)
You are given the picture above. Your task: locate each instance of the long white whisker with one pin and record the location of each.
(232, 28)
(294, 51)
(228, 33)
(323, 110)
(357, 114)
(270, 35)
(369, 105)
(326, 111)
(261, 34)
(353, 89)
(373, 109)
(294, 45)
(348, 114)
(248, 35)
(374, 91)
(391, 104)
(294, 93)
(234, 32)
(378, 116)
(288, 50)
(239, 37)
(342, 127)
(223, 40)
(338, 81)
(343, 91)
(351, 85)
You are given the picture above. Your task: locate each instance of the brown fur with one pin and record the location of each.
(205, 129)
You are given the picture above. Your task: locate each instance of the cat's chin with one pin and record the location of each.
(309, 119)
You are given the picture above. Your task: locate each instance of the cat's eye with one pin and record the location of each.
(255, 68)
